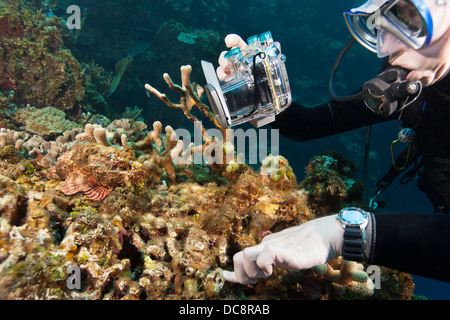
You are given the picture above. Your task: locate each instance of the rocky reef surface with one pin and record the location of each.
(93, 206)
(138, 228)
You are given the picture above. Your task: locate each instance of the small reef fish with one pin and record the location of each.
(198, 89)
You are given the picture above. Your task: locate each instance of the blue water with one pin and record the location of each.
(311, 34)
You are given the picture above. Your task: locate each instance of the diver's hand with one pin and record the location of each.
(308, 245)
(224, 71)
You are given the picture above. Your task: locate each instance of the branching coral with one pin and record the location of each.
(95, 134)
(186, 91)
(45, 153)
(134, 130)
(13, 137)
(217, 153)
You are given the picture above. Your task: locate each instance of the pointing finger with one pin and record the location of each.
(239, 270)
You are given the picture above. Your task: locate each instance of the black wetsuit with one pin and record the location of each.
(418, 243)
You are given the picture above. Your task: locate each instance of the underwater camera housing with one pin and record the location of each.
(259, 89)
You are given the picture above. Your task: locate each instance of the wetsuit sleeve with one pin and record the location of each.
(414, 243)
(302, 123)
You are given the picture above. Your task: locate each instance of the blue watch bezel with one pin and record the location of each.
(346, 221)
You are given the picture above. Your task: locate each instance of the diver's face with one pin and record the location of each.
(429, 64)
(432, 62)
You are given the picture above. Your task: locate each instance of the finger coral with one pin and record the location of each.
(44, 153)
(187, 93)
(347, 275)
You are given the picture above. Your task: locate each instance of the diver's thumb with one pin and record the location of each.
(234, 40)
(230, 276)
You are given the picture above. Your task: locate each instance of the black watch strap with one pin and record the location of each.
(353, 244)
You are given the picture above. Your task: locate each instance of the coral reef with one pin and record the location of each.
(44, 122)
(38, 67)
(144, 239)
(187, 93)
(346, 276)
(161, 243)
(111, 202)
(330, 183)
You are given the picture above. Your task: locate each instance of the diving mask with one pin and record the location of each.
(386, 27)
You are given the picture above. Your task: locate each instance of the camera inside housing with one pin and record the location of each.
(259, 88)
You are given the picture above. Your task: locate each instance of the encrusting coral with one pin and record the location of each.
(45, 121)
(112, 202)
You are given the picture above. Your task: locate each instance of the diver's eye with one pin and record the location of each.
(407, 14)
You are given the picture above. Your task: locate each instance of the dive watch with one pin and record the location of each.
(354, 220)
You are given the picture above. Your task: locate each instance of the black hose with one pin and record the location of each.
(331, 91)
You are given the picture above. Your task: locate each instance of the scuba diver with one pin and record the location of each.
(414, 38)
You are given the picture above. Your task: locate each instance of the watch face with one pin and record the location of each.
(353, 216)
